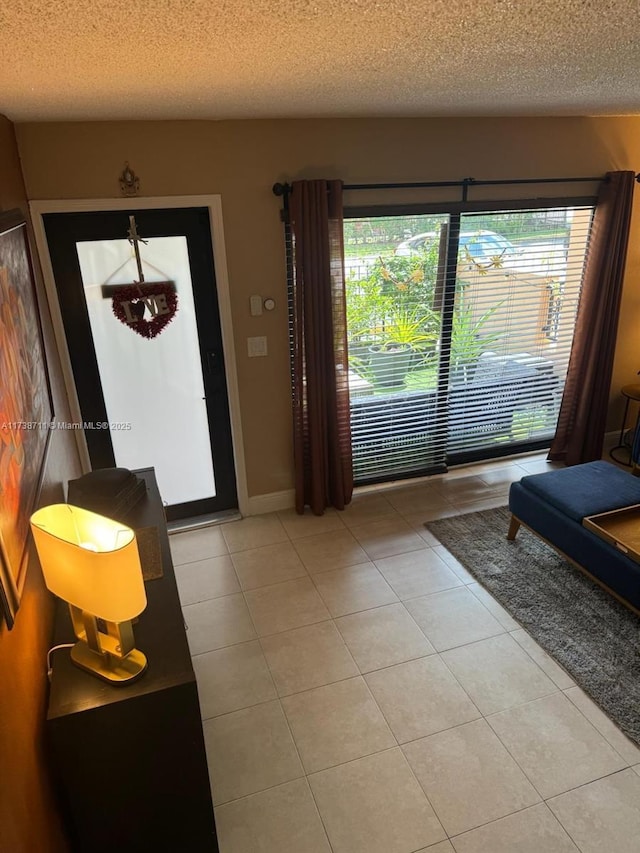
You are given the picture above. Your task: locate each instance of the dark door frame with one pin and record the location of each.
(214, 206)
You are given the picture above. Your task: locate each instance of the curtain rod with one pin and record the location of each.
(281, 189)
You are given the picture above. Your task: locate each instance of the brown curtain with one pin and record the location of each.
(583, 413)
(322, 433)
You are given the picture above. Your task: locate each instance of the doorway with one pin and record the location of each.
(160, 401)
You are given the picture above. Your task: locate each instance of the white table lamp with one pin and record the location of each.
(92, 563)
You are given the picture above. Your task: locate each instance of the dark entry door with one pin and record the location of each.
(156, 401)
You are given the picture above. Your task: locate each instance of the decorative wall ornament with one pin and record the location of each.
(129, 181)
(131, 301)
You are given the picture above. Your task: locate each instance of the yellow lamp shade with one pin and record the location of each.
(90, 561)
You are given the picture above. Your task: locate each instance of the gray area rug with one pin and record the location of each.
(593, 636)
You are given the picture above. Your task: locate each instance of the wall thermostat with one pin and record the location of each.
(269, 304)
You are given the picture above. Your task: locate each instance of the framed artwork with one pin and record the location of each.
(25, 406)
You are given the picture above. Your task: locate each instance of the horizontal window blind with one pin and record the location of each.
(460, 330)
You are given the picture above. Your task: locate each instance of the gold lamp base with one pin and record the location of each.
(108, 667)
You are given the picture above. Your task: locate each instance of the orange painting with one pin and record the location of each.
(25, 405)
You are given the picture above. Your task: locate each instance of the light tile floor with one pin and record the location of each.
(361, 693)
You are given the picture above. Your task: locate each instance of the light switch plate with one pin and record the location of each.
(257, 346)
(256, 305)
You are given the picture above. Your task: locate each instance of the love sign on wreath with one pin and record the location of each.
(131, 302)
(146, 308)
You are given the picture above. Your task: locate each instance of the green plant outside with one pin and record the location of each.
(392, 307)
(393, 284)
(467, 342)
(414, 327)
(366, 304)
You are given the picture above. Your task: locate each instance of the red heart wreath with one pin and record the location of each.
(131, 301)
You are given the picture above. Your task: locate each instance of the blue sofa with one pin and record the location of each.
(553, 505)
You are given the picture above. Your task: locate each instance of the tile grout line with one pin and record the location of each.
(530, 702)
(591, 782)
(537, 805)
(319, 813)
(573, 687)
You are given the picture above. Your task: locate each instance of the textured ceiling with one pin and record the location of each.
(202, 59)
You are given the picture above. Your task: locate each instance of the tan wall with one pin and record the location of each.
(242, 159)
(28, 817)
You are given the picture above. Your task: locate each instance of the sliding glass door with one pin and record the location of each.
(395, 275)
(460, 328)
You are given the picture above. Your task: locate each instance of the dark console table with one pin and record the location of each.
(129, 762)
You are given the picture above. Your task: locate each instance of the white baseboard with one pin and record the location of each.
(272, 502)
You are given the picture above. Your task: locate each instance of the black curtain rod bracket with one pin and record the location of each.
(284, 191)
